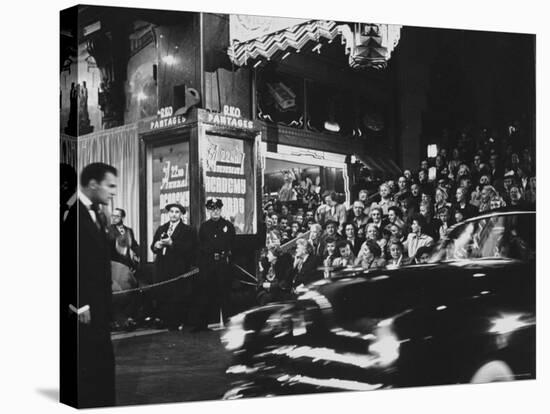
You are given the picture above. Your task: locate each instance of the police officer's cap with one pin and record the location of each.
(213, 203)
(176, 205)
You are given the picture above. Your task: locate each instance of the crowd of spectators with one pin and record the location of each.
(401, 222)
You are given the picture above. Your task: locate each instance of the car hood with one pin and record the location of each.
(381, 294)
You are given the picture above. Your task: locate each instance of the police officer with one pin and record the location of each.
(216, 239)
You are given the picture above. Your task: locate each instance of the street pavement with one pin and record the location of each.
(155, 367)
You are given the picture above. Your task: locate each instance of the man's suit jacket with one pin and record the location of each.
(308, 272)
(94, 267)
(179, 257)
(87, 350)
(132, 245)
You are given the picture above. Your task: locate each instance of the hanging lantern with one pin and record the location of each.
(369, 45)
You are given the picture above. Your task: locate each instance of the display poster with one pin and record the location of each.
(229, 174)
(170, 180)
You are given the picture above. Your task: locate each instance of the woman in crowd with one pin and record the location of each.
(441, 197)
(346, 256)
(488, 192)
(475, 198)
(370, 256)
(396, 259)
(274, 281)
(373, 233)
(426, 198)
(394, 216)
(423, 255)
(417, 237)
(445, 222)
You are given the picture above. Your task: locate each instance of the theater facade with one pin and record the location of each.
(193, 105)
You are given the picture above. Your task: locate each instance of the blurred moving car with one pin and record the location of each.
(466, 316)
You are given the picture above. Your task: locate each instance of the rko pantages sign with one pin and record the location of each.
(230, 117)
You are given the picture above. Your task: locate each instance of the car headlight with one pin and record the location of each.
(234, 335)
(386, 345)
(510, 322)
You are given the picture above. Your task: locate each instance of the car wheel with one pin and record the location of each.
(493, 371)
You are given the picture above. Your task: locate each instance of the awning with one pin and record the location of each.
(277, 44)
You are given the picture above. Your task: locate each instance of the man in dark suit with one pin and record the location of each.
(305, 265)
(124, 247)
(124, 269)
(86, 299)
(174, 245)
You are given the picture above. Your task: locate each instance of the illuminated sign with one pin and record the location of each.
(166, 119)
(228, 175)
(174, 186)
(230, 117)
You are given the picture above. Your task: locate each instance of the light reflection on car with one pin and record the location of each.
(466, 316)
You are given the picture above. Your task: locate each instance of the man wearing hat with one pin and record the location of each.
(216, 239)
(173, 244)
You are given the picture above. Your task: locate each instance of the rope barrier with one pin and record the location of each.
(245, 272)
(248, 283)
(192, 272)
(164, 282)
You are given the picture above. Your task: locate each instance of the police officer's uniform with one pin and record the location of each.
(216, 239)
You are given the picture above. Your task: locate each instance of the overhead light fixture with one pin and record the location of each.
(169, 59)
(91, 28)
(332, 126)
(141, 96)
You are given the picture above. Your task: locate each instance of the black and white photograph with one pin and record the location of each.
(258, 206)
(276, 207)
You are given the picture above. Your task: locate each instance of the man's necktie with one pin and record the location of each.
(170, 230)
(95, 209)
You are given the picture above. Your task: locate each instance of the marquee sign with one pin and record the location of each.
(166, 119)
(230, 117)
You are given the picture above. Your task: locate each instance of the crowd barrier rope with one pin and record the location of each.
(287, 247)
(192, 272)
